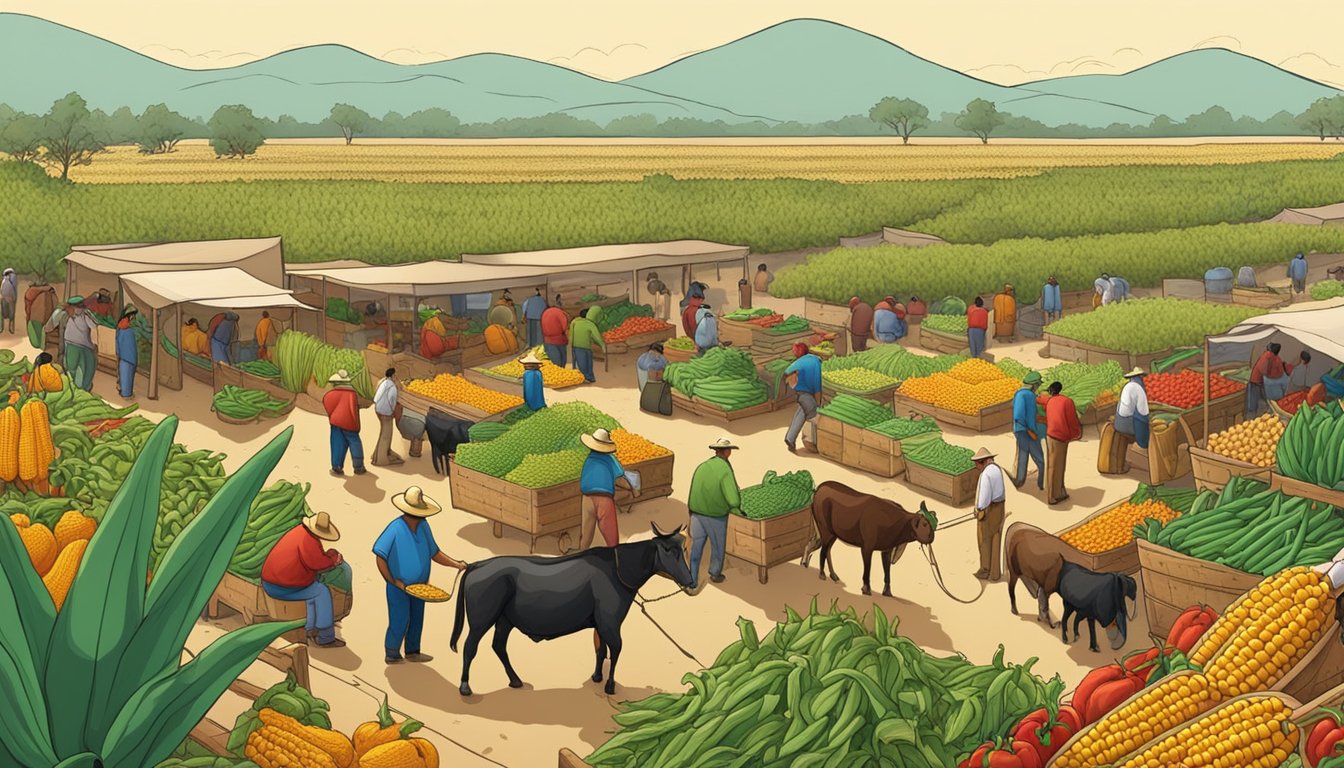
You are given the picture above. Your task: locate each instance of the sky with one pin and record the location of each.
(1004, 41)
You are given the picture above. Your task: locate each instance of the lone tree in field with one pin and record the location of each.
(67, 135)
(21, 138)
(980, 118)
(904, 116)
(1325, 117)
(160, 129)
(351, 121)
(235, 132)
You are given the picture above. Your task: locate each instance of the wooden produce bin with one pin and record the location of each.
(1173, 582)
(1062, 348)
(769, 542)
(1264, 298)
(942, 342)
(990, 419)
(1096, 415)
(1306, 490)
(738, 332)
(1213, 470)
(250, 601)
(1223, 412)
(422, 404)
(859, 448)
(698, 407)
(678, 355)
(202, 373)
(958, 489)
(1123, 559)
(883, 396)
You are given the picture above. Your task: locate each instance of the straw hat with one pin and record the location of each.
(982, 455)
(600, 441)
(415, 503)
(1136, 372)
(721, 444)
(320, 526)
(340, 377)
(530, 358)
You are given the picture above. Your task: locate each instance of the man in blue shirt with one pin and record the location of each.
(1297, 270)
(804, 375)
(534, 389)
(404, 552)
(1028, 430)
(597, 483)
(533, 306)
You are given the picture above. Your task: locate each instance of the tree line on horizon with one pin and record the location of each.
(70, 134)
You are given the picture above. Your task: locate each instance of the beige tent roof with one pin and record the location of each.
(616, 258)
(1327, 215)
(1316, 329)
(228, 288)
(909, 237)
(430, 278)
(260, 257)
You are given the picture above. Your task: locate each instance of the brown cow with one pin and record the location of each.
(1036, 557)
(869, 522)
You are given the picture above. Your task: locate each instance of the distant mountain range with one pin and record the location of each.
(807, 71)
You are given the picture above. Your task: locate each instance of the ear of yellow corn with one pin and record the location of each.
(331, 743)
(27, 445)
(1124, 729)
(1254, 732)
(1247, 608)
(280, 747)
(62, 574)
(9, 444)
(73, 526)
(41, 545)
(46, 447)
(20, 520)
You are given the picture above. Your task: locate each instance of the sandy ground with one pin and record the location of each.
(559, 706)
(767, 141)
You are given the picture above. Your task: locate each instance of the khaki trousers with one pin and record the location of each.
(989, 535)
(1056, 455)
(382, 453)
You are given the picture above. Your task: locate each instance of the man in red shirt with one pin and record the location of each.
(1269, 366)
(977, 322)
(342, 404)
(555, 332)
(1061, 428)
(292, 567)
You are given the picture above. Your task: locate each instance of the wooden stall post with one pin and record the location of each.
(389, 323)
(155, 346)
(1208, 379)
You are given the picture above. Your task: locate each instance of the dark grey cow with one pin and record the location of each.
(550, 597)
(1097, 597)
(444, 434)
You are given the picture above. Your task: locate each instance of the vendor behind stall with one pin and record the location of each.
(502, 313)
(433, 336)
(222, 336)
(194, 340)
(266, 336)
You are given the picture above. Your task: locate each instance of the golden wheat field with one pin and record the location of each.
(478, 163)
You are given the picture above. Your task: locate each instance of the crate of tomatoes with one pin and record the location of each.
(1183, 393)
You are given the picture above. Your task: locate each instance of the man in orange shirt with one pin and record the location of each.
(342, 404)
(291, 570)
(977, 323)
(1061, 428)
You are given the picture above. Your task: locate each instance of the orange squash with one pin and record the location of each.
(383, 730)
(500, 340)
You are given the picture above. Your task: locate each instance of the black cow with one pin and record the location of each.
(1095, 597)
(550, 597)
(444, 434)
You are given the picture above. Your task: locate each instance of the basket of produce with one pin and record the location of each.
(679, 349)
(458, 396)
(429, 593)
(1246, 449)
(1106, 537)
(943, 469)
(776, 521)
(779, 337)
(861, 382)
(235, 405)
(1309, 459)
(972, 394)
(637, 333)
(736, 327)
(722, 384)
(1183, 392)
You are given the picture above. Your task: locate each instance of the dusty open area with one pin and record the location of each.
(500, 161)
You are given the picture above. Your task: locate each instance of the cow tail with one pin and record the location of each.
(460, 612)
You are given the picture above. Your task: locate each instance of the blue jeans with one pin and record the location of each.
(405, 621)
(583, 361)
(975, 338)
(533, 332)
(556, 352)
(716, 530)
(219, 351)
(318, 597)
(343, 440)
(126, 378)
(1029, 449)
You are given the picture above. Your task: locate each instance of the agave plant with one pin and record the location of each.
(102, 683)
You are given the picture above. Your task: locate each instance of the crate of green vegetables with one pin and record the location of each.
(943, 469)
(776, 521)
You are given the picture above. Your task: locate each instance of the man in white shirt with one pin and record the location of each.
(1131, 419)
(1105, 290)
(989, 514)
(385, 407)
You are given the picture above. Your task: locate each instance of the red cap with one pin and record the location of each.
(800, 349)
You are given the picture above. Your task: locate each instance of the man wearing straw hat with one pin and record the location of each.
(292, 568)
(1131, 420)
(405, 549)
(989, 514)
(714, 494)
(597, 483)
(534, 386)
(342, 404)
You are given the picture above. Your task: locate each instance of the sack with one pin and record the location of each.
(1168, 456)
(656, 398)
(1111, 458)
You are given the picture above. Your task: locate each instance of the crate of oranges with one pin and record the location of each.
(1105, 539)
(973, 395)
(456, 395)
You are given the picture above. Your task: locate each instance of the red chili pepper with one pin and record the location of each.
(1094, 679)
(1182, 622)
(1109, 695)
(1314, 739)
(1070, 718)
(1138, 661)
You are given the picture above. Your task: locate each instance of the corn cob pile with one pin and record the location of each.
(1255, 732)
(1125, 729)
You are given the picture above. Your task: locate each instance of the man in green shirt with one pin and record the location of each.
(583, 334)
(714, 494)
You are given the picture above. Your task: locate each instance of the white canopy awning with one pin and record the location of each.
(430, 278)
(1319, 328)
(261, 257)
(227, 288)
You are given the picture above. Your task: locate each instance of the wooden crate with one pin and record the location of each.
(958, 489)
(873, 452)
(830, 438)
(295, 610)
(698, 407)
(766, 344)
(422, 404)
(990, 419)
(1306, 490)
(1223, 413)
(241, 596)
(1173, 582)
(1063, 348)
(738, 332)
(1096, 415)
(767, 543)
(884, 396)
(1123, 559)
(640, 341)
(1265, 298)
(1213, 470)
(941, 342)
(285, 657)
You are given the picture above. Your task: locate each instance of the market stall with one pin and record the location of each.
(162, 296)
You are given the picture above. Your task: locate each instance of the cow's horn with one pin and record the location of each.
(923, 506)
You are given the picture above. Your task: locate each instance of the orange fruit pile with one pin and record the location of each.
(1115, 528)
(632, 448)
(451, 388)
(946, 391)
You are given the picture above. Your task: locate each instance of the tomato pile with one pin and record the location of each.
(767, 321)
(1186, 389)
(633, 326)
(1292, 402)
